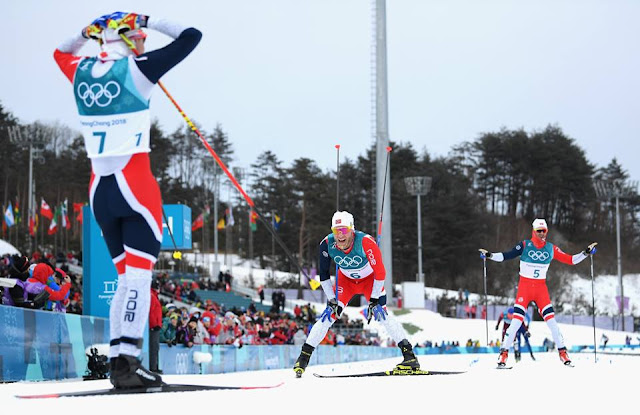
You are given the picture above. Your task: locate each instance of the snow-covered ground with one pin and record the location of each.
(531, 387)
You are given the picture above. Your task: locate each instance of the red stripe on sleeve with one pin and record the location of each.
(561, 256)
(67, 63)
(372, 251)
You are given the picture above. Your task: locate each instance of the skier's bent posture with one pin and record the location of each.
(112, 93)
(360, 271)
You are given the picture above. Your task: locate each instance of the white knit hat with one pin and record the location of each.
(539, 224)
(342, 218)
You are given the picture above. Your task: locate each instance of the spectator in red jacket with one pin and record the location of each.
(155, 326)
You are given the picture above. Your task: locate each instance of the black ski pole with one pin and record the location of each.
(593, 313)
(486, 309)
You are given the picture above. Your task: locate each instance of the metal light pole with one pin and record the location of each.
(607, 190)
(418, 186)
(35, 139)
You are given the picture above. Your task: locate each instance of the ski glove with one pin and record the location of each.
(376, 311)
(591, 249)
(124, 22)
(332, 309)
(94, 30)
(484, 253)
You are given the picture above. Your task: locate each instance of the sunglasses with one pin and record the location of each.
(541, 230)
(342, 230)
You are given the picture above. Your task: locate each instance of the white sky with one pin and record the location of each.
(294, 76)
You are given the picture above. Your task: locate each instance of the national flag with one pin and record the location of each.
(33, 224)
(53, 227)
(276, 222)
(77, 207)
(230, 220)
(64, 216)
(207, 212)
(253, 216)
(221, 224)
(16, 211)
(45, 210)
(8, 216)
(198, 223)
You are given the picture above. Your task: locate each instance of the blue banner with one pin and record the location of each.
(99, 274)
(178, 219)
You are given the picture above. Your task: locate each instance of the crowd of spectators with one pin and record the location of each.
(211, 323)
(32, 285)
(201, 322)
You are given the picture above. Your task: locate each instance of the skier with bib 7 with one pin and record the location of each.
(112, 92)
(535, 255)
(360, 271)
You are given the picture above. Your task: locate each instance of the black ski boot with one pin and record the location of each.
(516, 352)
(303, 359)
(410, 362)
(128, 372)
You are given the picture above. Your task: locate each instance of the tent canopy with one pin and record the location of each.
(7, 248)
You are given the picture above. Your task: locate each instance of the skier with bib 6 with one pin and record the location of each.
(360, 271)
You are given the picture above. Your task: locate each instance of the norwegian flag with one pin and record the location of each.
(45, 210)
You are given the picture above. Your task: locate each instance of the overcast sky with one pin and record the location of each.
(293, 76)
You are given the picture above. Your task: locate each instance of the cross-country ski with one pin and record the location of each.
(166, 388)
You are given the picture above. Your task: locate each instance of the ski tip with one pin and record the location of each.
(46, 396)
(261, 387)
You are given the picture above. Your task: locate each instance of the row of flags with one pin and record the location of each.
(228, 220)
(59, 216)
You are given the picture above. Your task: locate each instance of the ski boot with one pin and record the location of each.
(502, 359)
(303, 359)
(410, 363)
(564, 357)
(128, 372)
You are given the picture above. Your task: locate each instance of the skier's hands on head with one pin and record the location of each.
(332, 309)
(376, 311)
(591, 249)
(123, 22)
(484, 253)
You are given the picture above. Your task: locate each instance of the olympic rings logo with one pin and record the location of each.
(538, 256)
(97, 93)
(348, 261)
